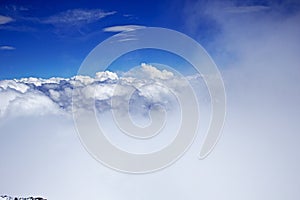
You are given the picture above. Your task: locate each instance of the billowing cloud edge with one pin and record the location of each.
(37, 96)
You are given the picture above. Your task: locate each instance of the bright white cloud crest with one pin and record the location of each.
(36, 96)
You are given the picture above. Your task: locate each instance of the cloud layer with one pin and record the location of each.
(36, 96)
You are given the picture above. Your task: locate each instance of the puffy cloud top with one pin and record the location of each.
(37, 96)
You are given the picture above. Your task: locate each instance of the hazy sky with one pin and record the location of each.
(255, 44)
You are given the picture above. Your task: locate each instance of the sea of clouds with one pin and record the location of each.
(37, 96)
(42, 151)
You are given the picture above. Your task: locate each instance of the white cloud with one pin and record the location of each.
(258, 55)
(122, 28)
(107, 75)
(14, 84)
(7, 48)
(154, 73)
(5, 19)
(36, 96)
(77, 17)
(31, 103)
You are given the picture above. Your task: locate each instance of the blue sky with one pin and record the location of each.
(43, 45)
(51, 38)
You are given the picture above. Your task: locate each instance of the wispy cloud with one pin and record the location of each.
(7, 48)
(77, 17)
(5, 19)
(16, 8)
(246, 9)
(122, 28)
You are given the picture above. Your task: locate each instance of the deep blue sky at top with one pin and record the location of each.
(35, 42)
(49, 49)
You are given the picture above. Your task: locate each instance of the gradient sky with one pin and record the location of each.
(42, 44)
(51, 38)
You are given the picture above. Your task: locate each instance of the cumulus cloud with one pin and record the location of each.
(31, 103)
(153, 73)
(38, 96)
(122, 28)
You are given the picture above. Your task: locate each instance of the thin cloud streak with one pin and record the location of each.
(5, 19)
(77, 17)
(246, 9)
(7, 48)
(122, 28)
